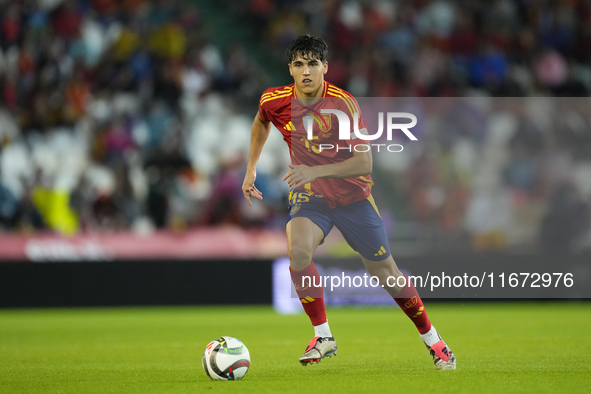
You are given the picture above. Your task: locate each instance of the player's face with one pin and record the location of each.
(308, 76)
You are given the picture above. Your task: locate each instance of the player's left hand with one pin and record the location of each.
(299, 175)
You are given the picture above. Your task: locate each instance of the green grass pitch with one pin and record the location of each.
(500, 348)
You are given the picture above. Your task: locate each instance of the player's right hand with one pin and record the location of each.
(249, 189)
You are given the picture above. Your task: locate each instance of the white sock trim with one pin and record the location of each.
(431, 337)
(322, 330)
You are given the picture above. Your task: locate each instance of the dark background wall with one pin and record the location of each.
(56, 284)
(216, 282)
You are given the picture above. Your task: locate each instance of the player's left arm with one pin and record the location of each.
(360, 164)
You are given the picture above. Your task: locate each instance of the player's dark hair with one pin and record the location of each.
(308, 47)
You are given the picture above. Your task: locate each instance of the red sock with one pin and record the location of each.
(310, 293)
(411, 304)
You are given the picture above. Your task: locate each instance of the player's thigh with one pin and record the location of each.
(303, 237)
(363, 229)
(386, 271)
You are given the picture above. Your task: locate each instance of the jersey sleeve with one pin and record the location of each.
(264, 107)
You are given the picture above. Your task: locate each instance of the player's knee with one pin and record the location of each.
(300, 257)
(386, 270)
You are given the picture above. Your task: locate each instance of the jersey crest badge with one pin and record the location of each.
(325, 125)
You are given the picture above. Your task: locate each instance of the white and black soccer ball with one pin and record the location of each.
(226, 358)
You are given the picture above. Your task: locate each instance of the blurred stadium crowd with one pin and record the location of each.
(127, 114)
(435, 48)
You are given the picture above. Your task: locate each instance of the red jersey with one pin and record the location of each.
(276, 106)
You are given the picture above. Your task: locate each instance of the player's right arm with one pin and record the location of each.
(258, 137)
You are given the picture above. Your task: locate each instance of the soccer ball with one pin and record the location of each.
(226, 358)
